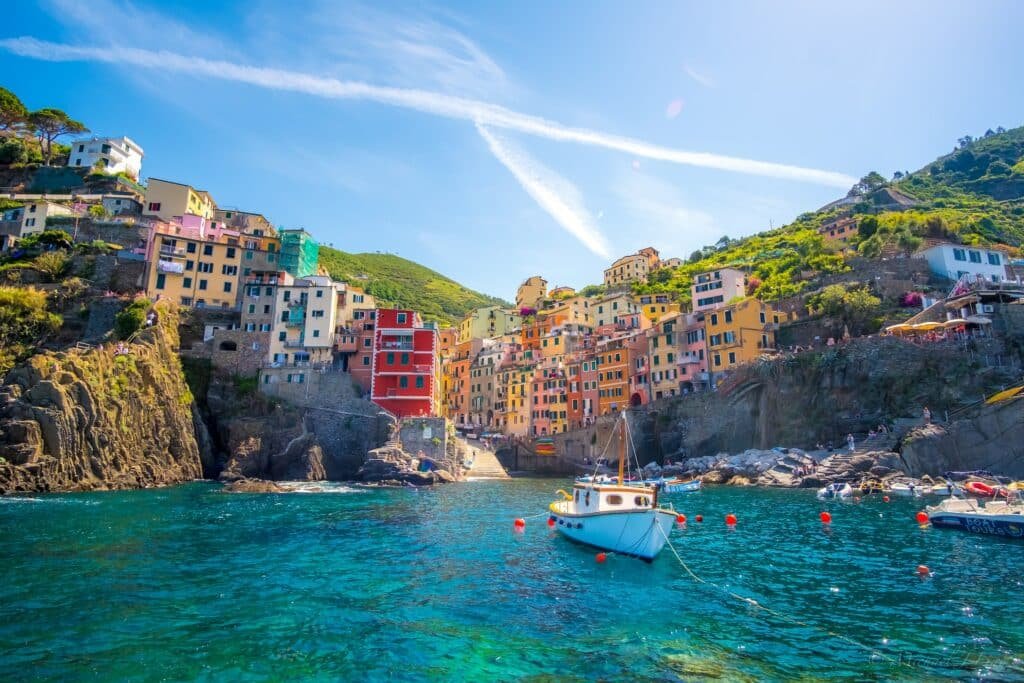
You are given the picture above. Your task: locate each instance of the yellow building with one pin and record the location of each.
(615, 309)
(167, 199)
(531, 292)
(664, 342)
(487, 323)
(632, 268)
(657, 307)
(517, 382)
(740, 332)
(576, 310)
(193, 271)
(559, 293)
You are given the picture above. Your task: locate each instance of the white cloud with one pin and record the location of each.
(699, 76)
(492, 115)
(554, 194)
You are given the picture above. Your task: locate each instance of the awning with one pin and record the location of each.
(955, 322)
(925, 327)
(978, 320)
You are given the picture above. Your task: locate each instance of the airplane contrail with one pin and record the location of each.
(439, 104)
(554, 194)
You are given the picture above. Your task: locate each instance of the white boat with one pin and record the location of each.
(948, 489)
(674, 484)
(621, 517)
(996, 517)
(906, 489)
(836, 491)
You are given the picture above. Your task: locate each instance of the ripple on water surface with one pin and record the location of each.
(432, 584)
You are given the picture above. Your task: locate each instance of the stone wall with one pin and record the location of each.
(233, 351)
(321, 388)
(428, 435)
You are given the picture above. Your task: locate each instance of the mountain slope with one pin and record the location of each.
(396, 281)
(974, 195)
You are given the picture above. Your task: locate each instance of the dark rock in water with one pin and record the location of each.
(253, 486)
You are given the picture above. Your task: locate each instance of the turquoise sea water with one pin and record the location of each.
(190, 583)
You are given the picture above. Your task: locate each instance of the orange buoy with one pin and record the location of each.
(551, 521)
(826, 517)
(730, 519)
(922, 517)
(681, 519)
(922, 570)
(700, 518)
(600, 558)
(885, 499)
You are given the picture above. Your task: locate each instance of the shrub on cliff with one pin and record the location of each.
(24, 322)
(131, 318)
(856, 308)
(52, 265)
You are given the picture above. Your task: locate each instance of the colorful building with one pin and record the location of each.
(657, 307)
(619, 310)
(166, 200)
(693, 360)
(740, 332)
(488, 322)
(716, 288)
(632, 268)
(531, 293)
(113, 155)
(405, 372)
(664, 342)
(194, 269)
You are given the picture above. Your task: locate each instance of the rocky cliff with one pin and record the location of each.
(95, 418)
(992, 438)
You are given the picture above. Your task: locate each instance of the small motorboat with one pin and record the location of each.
(908, 489)
(619, 517)
(674, 484)
(836, 491)
(949, 488)
(996, 517)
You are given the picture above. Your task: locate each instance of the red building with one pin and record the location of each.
(405, 377)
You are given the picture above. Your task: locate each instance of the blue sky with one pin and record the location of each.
(493, 141)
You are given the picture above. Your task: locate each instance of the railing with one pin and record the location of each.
(295, 323)
(396, 346)
(172, 251)
(294, 344)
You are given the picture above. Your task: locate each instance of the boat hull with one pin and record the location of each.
(635, 532)
(1011, 526)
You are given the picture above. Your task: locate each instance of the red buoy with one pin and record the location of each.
(826, 517)
(730, 519)
(519, 525)
(922, 517)
(600, 558)
(700, 518)
(681, 519)
(922, 570)
(551, 522)
(885, 499)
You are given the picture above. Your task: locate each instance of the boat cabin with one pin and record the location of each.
(590, 498)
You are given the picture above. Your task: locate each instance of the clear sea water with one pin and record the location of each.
(191, 583)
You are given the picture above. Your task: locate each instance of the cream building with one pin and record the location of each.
(531, 292)
(166, 199)
(488, 322)
(632, 268)
(716, 288)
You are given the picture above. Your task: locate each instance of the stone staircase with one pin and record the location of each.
(486, 466)
(783, 472)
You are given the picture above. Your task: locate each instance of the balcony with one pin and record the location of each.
(396, 346)
(296, 303)
(168, 250)
(295, 322)
(294, 344)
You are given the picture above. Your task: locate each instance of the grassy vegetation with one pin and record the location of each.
(24, 323)
(396, 281)
(975, 195)
(130, 320)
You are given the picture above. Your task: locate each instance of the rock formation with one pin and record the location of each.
(99, 419)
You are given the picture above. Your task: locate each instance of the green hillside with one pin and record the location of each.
(396, 281)
(974, 195)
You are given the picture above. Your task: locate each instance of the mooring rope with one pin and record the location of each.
(781, 615)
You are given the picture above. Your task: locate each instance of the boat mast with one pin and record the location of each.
(622, 449)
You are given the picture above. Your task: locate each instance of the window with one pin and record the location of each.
(317, 314)
(732, 357)
(227, 286)
(613, 499)
(319, 294)
(205, 267)
(229, 270)
(718, 360)
(729, 337)
(975, 256)
(248, 256)
(419, 382)
(265, 327)
(266, 309)
(367, 341)
(403, 382)
(366, 360)
(81, 148)
(728, 316)
(714, 318)
(959, 255)
(252, 308)
(287, 294)
(189, 265)
(202, 284)
(281, 336)
(231, 252)
(401, 318)
(762, 318)
(316, 333)
(161, 280)
(390, 359)
(190, 247)
(250, 327)
(405, 359)
(154, 206)
(207, 250)
(993, 259)
(187, 283)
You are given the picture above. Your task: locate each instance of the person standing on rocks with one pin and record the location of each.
(927, 415)
(850, 442)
